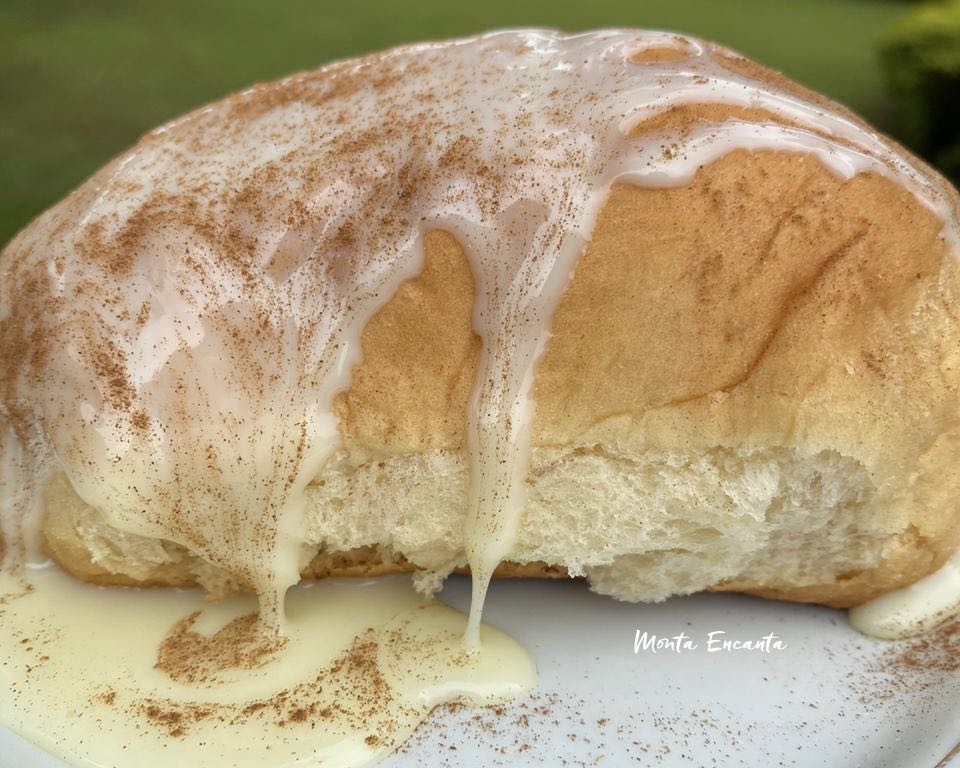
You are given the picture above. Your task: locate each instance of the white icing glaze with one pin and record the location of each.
(205, 297)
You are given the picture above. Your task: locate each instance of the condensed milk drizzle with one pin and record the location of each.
(196, 306)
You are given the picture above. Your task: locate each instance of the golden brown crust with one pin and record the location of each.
(676, 49)
(419, 360)
(363, 562)
(911, 558)
(62, 543)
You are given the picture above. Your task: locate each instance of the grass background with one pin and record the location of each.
(79, 81)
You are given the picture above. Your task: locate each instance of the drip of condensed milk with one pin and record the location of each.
(194, 309)
(120, 677)
(914, 609)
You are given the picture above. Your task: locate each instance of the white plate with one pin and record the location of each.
(830, 698)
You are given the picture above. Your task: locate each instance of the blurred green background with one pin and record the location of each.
(79, 81)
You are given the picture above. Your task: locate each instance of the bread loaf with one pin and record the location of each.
(623, 305)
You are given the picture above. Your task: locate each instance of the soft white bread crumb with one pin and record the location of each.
(639, 527)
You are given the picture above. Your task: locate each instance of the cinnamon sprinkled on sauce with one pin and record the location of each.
(189, 657)
(351, 693)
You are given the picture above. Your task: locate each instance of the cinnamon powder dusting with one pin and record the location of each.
(351, 694)
(915, 665)
(190, 657)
